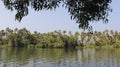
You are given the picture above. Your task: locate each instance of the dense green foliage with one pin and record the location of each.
(82, 11)
(58, 39)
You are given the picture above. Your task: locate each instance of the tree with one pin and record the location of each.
(83, 11)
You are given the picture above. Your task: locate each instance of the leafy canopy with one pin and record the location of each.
(82, 11)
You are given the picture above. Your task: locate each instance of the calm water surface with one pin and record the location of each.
(22, 57)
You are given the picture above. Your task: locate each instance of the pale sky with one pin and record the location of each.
(59, 19)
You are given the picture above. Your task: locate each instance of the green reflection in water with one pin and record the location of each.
(36, 57)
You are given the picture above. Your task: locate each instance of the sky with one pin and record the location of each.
(59, 19)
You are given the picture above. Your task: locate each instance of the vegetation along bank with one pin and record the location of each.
(58, 39)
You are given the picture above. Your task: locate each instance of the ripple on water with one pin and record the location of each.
(60, 58)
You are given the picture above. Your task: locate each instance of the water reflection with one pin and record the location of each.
(89, 57)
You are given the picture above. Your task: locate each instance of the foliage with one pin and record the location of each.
(83, 11)
(58, 39)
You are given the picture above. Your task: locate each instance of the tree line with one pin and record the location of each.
(58, 39)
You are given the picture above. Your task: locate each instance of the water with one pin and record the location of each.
(36, 57)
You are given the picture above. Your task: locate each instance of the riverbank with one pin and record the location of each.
(77, 47)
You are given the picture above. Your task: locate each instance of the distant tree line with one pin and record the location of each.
(58, 39)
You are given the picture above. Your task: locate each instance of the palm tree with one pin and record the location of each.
(83, 36)
(15, 30)
(64, 32)
(70, 33)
